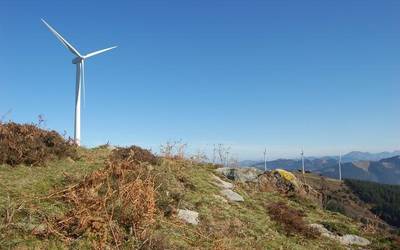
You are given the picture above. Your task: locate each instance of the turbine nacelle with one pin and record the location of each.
(77, 60)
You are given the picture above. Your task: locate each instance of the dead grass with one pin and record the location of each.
(111, 205)
(30, 145)
(291, 219)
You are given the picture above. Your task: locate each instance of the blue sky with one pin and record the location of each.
(323, 75)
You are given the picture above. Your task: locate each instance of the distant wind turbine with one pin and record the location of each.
(265, 160)
(80, 80)
(340, 166)
(302, 161)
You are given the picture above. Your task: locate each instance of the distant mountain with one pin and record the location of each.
(383, 171)
(313, 163)
(288, 164)
(365, 156)
(247, 163)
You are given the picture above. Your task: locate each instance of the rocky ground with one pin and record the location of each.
(171, 203)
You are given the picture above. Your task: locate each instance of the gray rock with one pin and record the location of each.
(241, 174)
(232, 196)
(222, 184)
(188, 216)
(351, 239)
(348, 239)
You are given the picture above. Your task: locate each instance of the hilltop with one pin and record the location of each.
(128, 198)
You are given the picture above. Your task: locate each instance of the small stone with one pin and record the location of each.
(351, 239)
(232, 196)
(188, 216)
(222, 184)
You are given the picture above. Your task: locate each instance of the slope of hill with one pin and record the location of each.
(383, 171)
(41, 207)
(340, 197)
(127, 198)
(385, 199)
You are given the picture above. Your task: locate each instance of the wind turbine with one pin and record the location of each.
(340, 166)
(265, 160)
(302, 161)
(79, 60)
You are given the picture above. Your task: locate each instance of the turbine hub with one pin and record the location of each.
(77, 60)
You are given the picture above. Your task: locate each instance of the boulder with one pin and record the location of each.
(351, 239)
(222, 184)
(347, 239)
(188, 216)
(231, 195)
(240, 174)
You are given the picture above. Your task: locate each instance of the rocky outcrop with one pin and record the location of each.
(226, 189)
(347, 239)
(240, 174)
(287, 183)
(222, 184)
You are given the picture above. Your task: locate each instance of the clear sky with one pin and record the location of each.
(324, 75)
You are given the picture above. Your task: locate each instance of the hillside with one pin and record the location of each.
(127, 198)
(385, 199)
(383, 171)
(32, 201)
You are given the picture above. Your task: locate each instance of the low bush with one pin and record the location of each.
(339, 228)
(335, 206)
(114, 205)
(290, 219)
(30, 145)
(134, 154)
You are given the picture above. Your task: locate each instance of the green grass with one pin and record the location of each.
(24, 192)
(183, 185)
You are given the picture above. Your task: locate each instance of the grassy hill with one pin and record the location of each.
(129, 199)
(31, 200)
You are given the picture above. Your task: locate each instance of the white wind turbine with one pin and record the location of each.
(302, 161)
(340, 166)
(79, 60)
(265, 160)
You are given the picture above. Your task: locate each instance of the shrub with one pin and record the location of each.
(112, 204)
(334, 206)
(134, 153)
(30, 145)
(338, 228)
(290, 219)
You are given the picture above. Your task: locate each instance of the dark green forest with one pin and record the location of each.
(385, 199)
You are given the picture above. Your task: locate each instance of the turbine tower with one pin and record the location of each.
(265, 160)
(302, 161)
(79, 60)
(340, 166)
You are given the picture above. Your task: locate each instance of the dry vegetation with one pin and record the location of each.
(30, 145)
(290, 219)
(127, 198)
(112, 204)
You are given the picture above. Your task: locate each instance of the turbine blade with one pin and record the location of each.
(98, 52)
(62, 40)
